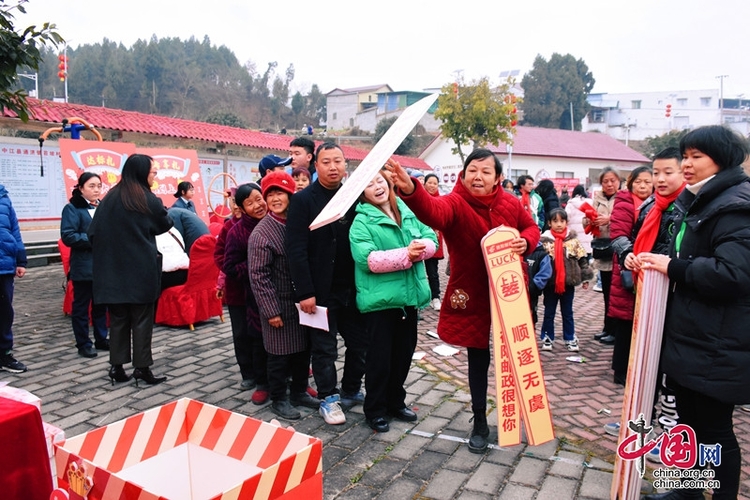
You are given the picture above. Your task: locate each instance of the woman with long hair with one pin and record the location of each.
(128, 266)
(389, 245)
(74, 224)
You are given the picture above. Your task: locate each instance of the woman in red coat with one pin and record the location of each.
(476, 205)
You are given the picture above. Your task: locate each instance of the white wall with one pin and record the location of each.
(344, 107)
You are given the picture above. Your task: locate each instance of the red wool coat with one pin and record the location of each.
(463, 221)
(621, 222)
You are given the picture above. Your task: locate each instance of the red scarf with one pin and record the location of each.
(646, 238)
(637, 202)
(559, 260)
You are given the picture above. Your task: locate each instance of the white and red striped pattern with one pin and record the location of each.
(288, 458)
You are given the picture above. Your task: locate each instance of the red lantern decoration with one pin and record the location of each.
(668, 111)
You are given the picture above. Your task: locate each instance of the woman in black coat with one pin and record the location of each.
(128, 266)
(74, 224)
(706, 353)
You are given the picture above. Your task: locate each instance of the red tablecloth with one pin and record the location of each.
(24, 464)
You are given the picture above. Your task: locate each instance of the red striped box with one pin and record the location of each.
(188, 450)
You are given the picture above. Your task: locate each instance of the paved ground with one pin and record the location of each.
(423, 460)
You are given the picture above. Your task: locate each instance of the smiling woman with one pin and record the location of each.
(464, 216)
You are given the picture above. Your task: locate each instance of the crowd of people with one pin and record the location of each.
(371, 271)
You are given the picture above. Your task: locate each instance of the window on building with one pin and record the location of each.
(597, 116)
(682, 102)
(334, 115)
(635, 104)
(515, 174)
(564, 175)
(705, 101)
(351, 122)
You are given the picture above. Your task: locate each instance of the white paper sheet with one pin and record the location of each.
(445, 350)
(318, 320)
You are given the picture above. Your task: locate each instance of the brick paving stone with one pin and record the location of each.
(529, 471)
(556, 488)
(359, 491)
(448, 409)
(444, 485)
(425, 465)
(505, 456)
(444, 446)
(432, 424)
(464, 460)
(402, 487)
(487, 478)
(408, 447)
(353, 438)
(595, 484)
(383, 472)
(516, 492)
(568, 464)
(473, 495)
(543, 451)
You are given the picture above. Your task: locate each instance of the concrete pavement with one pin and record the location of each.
(426, 459)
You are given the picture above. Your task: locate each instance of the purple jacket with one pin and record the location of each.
(235, 265)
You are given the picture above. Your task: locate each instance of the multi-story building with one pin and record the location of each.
(638, 115)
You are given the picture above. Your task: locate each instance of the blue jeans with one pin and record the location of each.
(566, 310)
(6, 312)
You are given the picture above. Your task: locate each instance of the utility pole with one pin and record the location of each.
(572, 126)
(721, 98)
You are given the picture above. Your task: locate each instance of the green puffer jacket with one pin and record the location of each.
(406, 285)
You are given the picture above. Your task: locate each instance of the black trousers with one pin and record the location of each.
(433, 278)
(606, 285)
(623, 333)
(712, 422)
(126, 320)
(393, 334)
(82, 300)
(343, 318)
(479, 366)
(282, 366)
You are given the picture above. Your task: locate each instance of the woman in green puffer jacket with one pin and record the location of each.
(389, 246)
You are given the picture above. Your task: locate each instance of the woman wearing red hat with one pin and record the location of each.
(284, 339)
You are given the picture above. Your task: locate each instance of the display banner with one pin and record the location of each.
(516, 335)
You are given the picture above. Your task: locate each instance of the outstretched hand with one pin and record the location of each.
(399, 177)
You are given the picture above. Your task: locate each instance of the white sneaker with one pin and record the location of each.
(572, 345)
(435, 303)
(331, 412)
(546, 344)
(613, 428)
(597, 287)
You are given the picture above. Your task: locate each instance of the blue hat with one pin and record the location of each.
(270, 162)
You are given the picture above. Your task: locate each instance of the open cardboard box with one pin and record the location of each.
(188, 450)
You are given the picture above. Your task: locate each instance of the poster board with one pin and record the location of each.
(107, 158)
(373, 162)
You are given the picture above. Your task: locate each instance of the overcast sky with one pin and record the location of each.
(635, 46)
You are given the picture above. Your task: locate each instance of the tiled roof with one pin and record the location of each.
(534, 141)
(132, 121)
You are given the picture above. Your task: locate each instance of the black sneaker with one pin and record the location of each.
(9, 364)
(285, 410)
(304, 399)
(102, 345)
(87, 352)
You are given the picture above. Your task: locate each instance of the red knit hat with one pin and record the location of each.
(278, 180)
